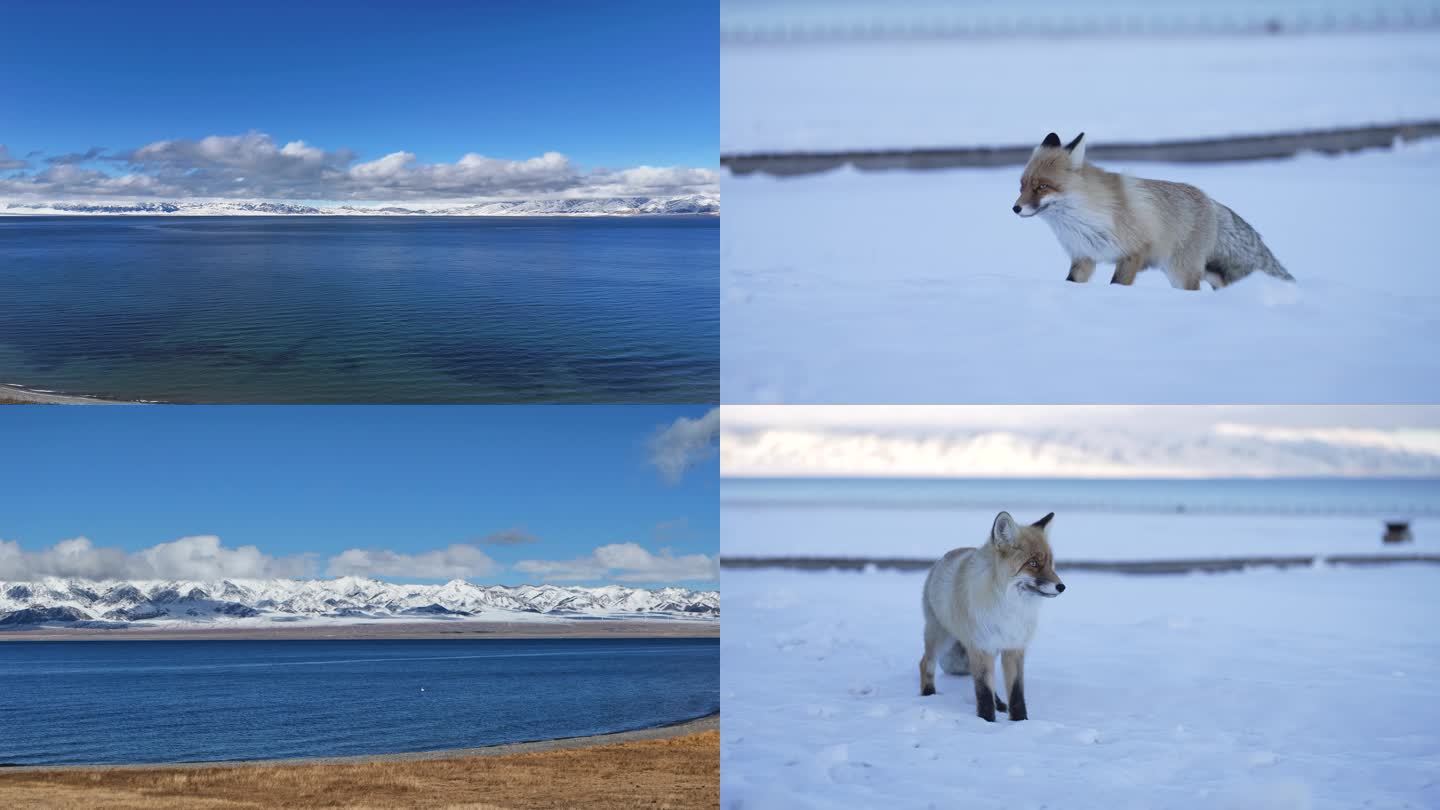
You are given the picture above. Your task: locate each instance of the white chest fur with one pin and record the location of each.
(1083, 234)
(1008, 624)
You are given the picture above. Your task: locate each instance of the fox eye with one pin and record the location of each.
(1042, 187)
(1033, 563)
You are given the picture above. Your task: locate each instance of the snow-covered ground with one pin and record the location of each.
(904, 287)
(1309, 689)
(968, 92)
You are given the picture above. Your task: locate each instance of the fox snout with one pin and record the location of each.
(1027, 205)
(1044, 586)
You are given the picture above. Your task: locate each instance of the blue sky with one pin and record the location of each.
(395, 483)
(609, 86)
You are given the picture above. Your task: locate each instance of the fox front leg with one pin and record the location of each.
(1126, 269)
(1081, 270)
(982, 666)
(1013, 664)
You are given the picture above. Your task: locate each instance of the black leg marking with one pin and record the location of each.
(1000, 705)
(927, 690)
(984, 701)
(1017, 701)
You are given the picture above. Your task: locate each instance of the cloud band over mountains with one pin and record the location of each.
(205, 557)
(253, 166)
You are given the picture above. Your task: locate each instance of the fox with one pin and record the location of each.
(1136, 224)
(983, 602)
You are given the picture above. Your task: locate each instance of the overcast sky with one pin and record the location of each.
(1049, 441)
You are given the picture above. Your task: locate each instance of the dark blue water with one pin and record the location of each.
(177, 701)
(368, 309)
(1338, 496)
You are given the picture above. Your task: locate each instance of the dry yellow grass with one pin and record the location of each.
(679, 772)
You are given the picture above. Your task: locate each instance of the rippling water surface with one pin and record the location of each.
(344, 309)
(177, 701)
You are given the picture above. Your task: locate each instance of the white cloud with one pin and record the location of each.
(458, 560)
(205, 557)
(200, 557)
(625, 562)
(685, 443)
(254, 166)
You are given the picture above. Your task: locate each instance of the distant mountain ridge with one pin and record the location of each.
(85, 603)
(609, 206)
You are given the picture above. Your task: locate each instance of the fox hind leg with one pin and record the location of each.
(935, 640)
(1186, 268)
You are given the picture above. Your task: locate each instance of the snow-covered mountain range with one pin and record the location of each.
(610, 206)
(85, 603)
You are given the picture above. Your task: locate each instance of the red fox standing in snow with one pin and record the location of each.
(1100, 216)
(983, 602)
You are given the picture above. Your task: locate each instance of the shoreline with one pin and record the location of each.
(598, 628)
(681, 728)
(12, 394)
(1161, 566)
(4, 213)
(676, 766)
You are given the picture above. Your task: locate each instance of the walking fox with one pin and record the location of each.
(983, 602)
(1100, 216)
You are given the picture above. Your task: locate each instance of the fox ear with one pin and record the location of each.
(1043, 522)
(1051, 140)
(1076, 148)
(1004, 532)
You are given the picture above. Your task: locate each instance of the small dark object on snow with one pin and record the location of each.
(1398, 532)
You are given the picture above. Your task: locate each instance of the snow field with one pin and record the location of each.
(1309, 689)
(899, 287)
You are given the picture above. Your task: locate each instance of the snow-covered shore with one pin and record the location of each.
(1311, 690)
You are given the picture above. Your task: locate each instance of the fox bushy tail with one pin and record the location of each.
(955, 661)
(1239, 251)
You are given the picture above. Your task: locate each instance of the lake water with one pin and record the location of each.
(1416, 497)
(362, 309)
(176, 701)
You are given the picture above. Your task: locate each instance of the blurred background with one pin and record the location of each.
(1190, 487)
(768, 20)
(824, 76)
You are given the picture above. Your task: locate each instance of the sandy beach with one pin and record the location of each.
(672, 766)
(599, 628)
